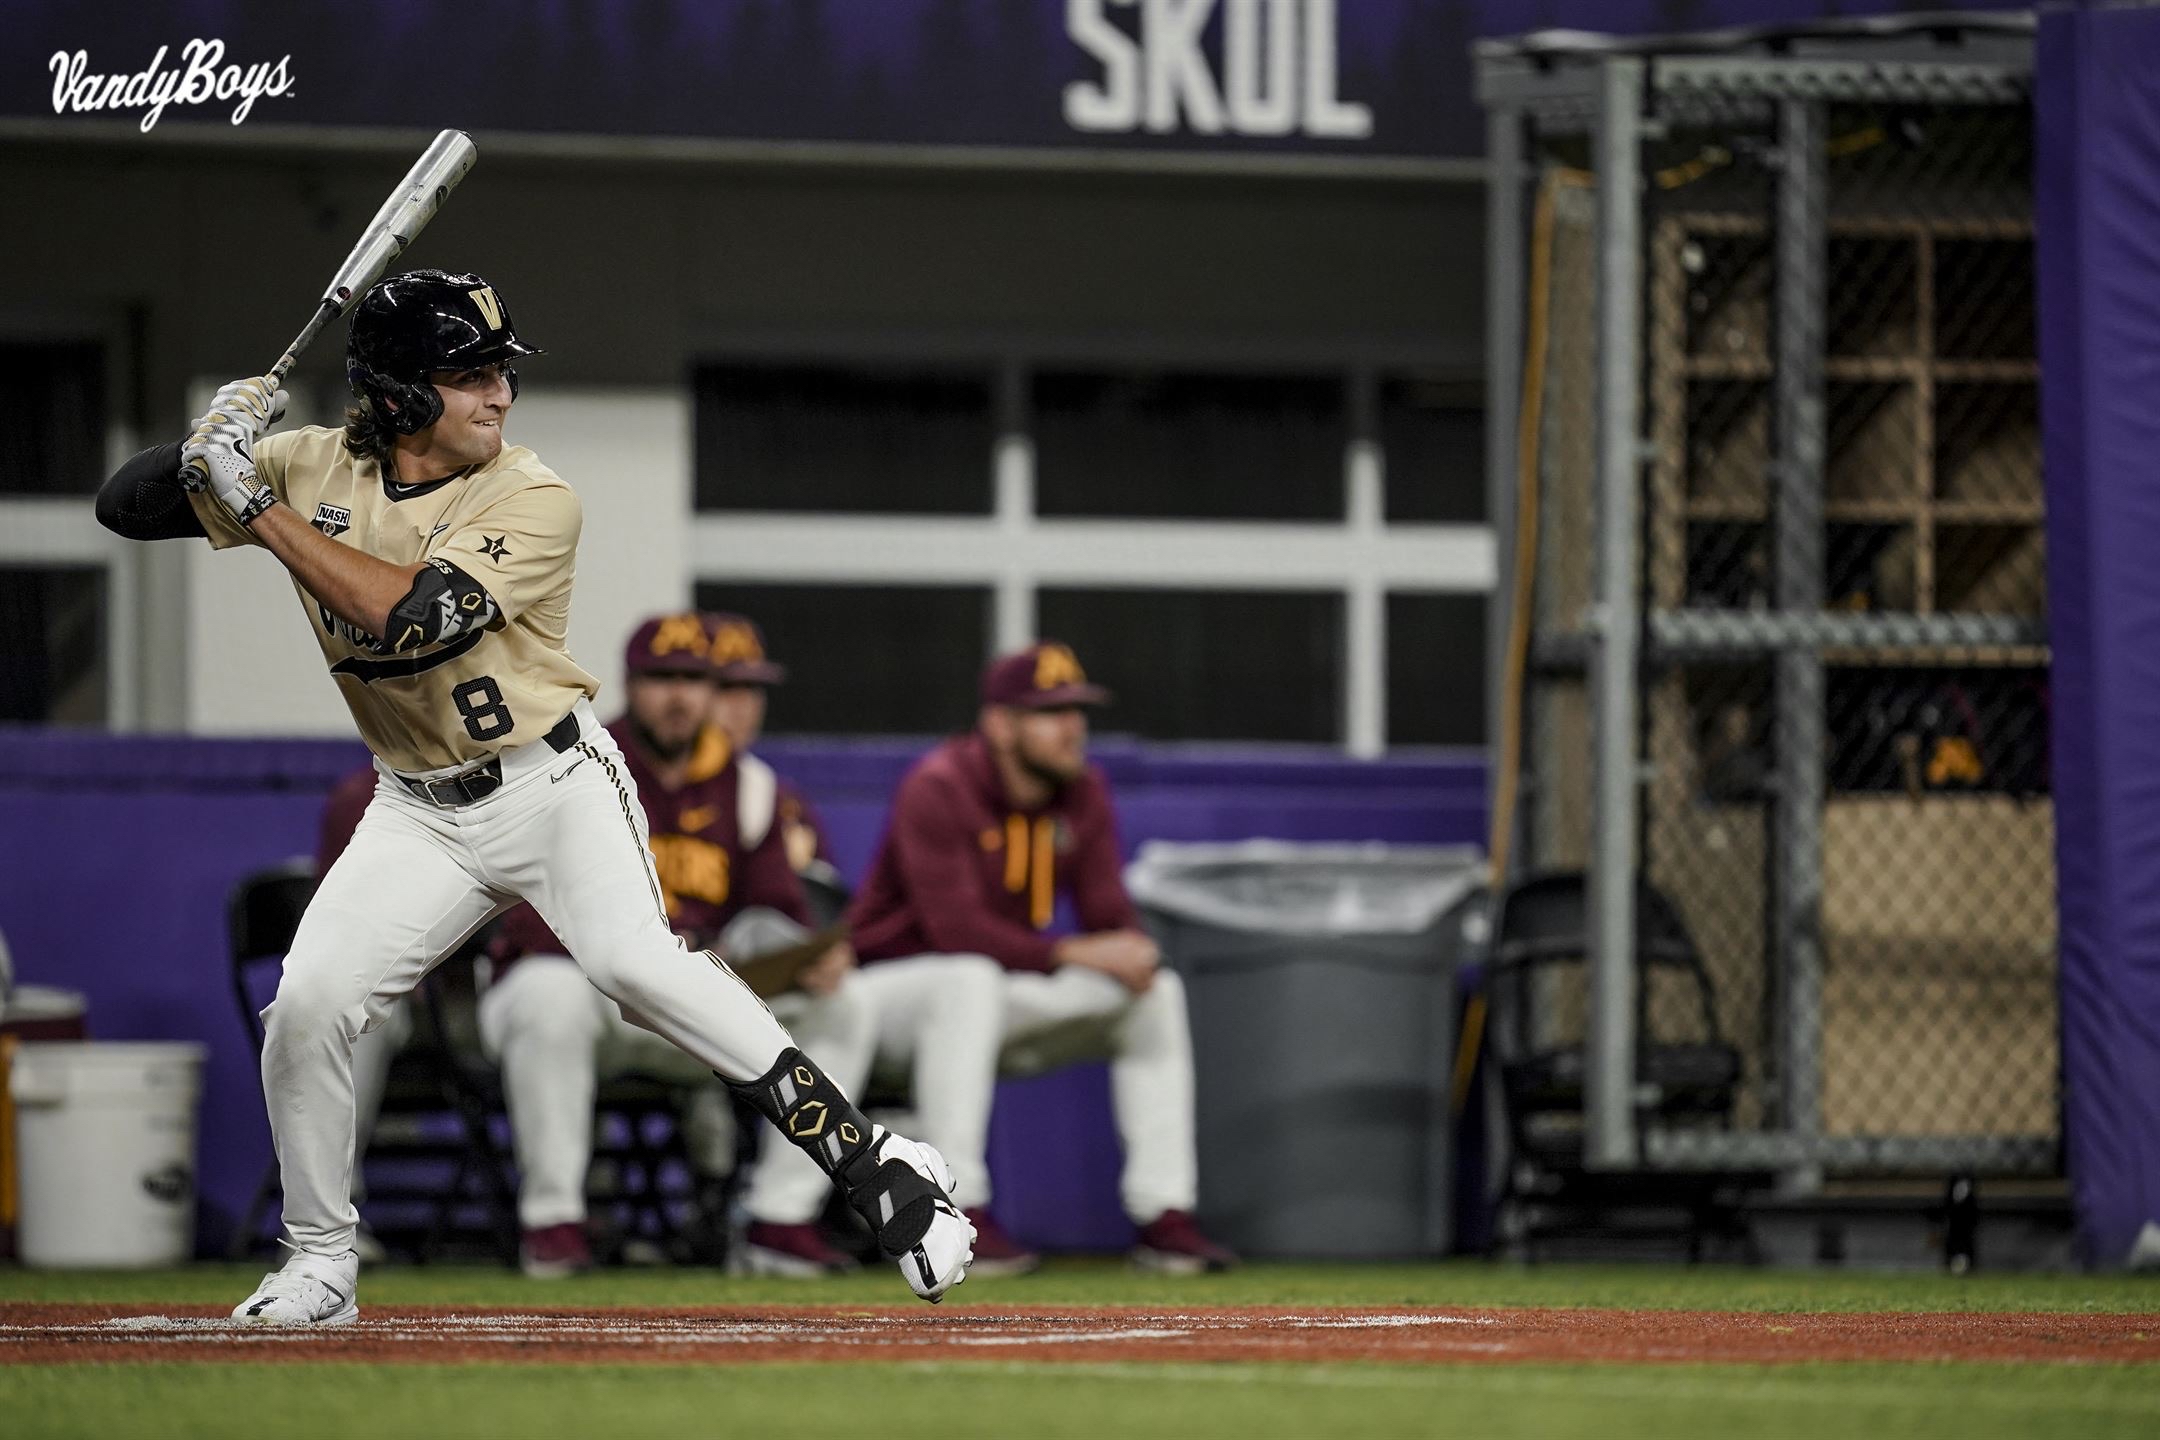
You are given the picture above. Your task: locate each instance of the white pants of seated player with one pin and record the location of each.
(414, 882)
(556, 1037)
(1046, 1021)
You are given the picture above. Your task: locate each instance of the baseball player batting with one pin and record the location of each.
(434, 565)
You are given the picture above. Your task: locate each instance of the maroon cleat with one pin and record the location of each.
(800, 1252)
(996, 1252)
(1171, 1244)
(552, 1252)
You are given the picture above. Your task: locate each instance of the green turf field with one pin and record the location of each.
(1109, 1282)
(1038, 1401)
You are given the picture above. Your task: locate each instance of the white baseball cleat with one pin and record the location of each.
(310, 1290)
(940, 1260)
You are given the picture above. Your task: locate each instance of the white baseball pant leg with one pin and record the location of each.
(941, 1017)
(403, 895)
(372, 1054)
(578, 851)
(556, 1037)
(786, 1185)
(1149, 1044)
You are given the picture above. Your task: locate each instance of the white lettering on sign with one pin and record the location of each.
(201, 77)
(1180, 87)
(1277, 69)
(1260, 63)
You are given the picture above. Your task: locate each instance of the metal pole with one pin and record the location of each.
(1610, 1142)
(1504, 299)
(1365, 677)
(1797, 569)
(1012, 621)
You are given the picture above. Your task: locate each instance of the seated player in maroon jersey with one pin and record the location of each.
(742, 676)
(986, 833)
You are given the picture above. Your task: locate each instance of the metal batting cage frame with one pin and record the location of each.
(1764, 467)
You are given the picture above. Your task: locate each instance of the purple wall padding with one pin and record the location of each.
(2097, 172)
(120, 851)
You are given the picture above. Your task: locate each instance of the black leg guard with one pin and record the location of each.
(891, 1195)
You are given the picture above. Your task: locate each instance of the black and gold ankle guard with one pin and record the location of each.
(891, 1195)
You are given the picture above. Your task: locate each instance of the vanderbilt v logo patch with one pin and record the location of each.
(490, 307)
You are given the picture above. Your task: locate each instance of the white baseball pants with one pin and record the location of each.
(556, 1037)
(564, 831)
(1042, 1021)
(372, 1056)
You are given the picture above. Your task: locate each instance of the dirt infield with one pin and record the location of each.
(45, 1334)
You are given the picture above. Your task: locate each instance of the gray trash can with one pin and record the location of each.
(1321, 984)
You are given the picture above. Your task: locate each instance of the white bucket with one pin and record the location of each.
(107, 1152)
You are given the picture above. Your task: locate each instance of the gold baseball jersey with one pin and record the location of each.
(505, 534)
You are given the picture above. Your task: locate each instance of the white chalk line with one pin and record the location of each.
(1065, 1337)
(847, 1331)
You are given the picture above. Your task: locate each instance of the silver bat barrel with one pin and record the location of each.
(404, 214)
(402, 217)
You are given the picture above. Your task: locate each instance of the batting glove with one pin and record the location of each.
(218, 456)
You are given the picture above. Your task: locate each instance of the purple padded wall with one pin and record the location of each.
(120, 851)
(2097, 101)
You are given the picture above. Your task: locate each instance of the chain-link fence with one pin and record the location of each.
(1839, 728)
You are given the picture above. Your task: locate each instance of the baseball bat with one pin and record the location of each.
(400, 220)
(404, 214)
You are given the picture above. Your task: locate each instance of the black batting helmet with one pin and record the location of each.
(422, 321)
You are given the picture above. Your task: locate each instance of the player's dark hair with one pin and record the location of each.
(368, 435)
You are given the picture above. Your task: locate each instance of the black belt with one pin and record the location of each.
(480, 781)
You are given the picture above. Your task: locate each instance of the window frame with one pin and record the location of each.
(1015, 550)
(61, 531)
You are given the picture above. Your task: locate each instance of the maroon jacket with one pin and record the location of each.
(960, 871)
(705, 875)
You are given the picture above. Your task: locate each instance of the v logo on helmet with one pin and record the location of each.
(490, 307)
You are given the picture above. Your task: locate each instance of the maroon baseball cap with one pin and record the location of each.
(736, 648)
(1045, 676)
(667, 644)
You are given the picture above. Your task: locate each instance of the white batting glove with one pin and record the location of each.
(218, 456)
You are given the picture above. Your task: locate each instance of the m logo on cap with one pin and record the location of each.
(490, 307)
(1055, 665)
(679, 633)
(733, 643)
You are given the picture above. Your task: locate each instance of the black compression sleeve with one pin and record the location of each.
(143, 499)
